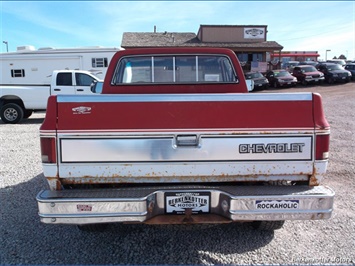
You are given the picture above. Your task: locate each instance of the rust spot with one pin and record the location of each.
(188, 218)
(195, 219)
(151, 206)
(54, 183)
(313, 181)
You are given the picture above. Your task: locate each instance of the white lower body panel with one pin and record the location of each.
(185, 172)
(190, 157)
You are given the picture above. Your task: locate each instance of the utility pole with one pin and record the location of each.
(7, 45)
(326, 51)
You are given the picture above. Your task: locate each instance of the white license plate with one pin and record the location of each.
(343, 77)
(316, 80)
(288, 83)
(178, 202)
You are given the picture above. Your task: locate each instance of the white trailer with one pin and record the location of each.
(28, 66)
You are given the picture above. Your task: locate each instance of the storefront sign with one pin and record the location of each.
(254, 33)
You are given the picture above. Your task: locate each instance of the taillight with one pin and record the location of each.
(48, 150)
(322, 145)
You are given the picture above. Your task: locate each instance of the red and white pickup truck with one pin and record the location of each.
(175, 137)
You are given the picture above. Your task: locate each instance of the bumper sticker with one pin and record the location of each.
(276, 204)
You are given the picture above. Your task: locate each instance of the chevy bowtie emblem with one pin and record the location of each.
(81, 110)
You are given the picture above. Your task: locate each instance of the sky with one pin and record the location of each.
(296, 25)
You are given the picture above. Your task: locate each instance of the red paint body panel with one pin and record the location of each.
(50, 121)
(319, 116)
(187, 115)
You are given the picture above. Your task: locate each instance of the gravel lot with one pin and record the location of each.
(24, 240)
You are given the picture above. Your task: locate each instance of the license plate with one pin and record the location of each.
(288, 83)
(343, 77)
(316, 80)
(178, 202)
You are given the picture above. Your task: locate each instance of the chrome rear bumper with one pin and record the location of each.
(213, 204)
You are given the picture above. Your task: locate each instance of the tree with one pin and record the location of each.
(342, 57)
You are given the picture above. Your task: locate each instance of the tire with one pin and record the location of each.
(275, 85)
(267, 225)
(27, 113)
(304, 82)
(11, 113)
(92, 227)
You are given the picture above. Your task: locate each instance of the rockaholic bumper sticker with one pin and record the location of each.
(276, 204)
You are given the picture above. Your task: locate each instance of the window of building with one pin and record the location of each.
(257, 57)
(99, 62)
(17, 73)
(174, 69)
(250, 57)
(242, 57)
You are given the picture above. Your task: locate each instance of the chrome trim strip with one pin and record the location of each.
(322, 132)
(218, 97)
(204, 131)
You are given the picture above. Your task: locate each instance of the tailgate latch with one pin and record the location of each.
(187, 141)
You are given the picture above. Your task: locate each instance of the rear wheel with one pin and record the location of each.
(27, 113)
(11, 113)
(267, 225)
(275, 85)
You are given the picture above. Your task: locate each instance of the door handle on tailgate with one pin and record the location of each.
(187, 140)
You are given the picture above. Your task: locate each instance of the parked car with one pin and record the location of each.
(260, 81)
(96, 86)
(334, 73)
(281, 78)
(337, 61)
(250, 84)
(351, 67)
(290, 65)
(312, 63)
(306, 74)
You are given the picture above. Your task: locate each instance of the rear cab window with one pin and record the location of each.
(174, 69)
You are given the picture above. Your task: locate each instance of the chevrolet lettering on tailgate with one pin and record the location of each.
(271, 148)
